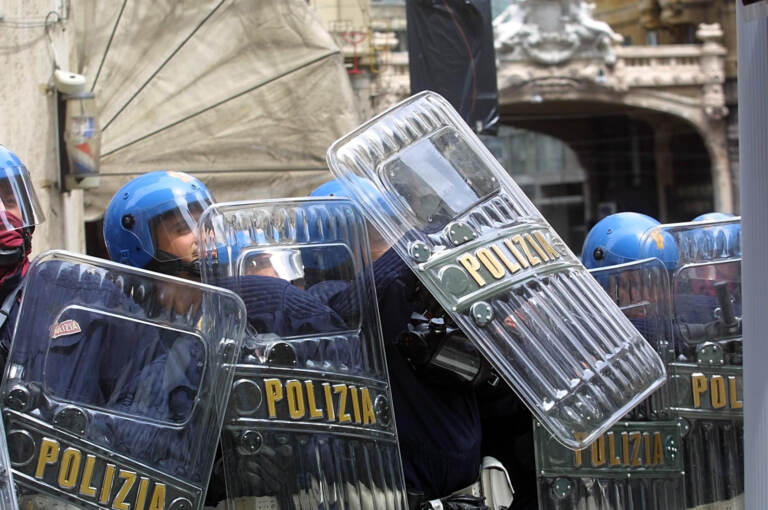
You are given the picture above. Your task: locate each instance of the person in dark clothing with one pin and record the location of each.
(438, 424)
(19, 213)
(152, 223)
(76, 349)
(438, 421)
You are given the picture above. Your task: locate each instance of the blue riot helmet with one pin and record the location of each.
(713, 216)
(627, 237)
(151, 221)
(336, 188)
(716, 238)
(19, 207)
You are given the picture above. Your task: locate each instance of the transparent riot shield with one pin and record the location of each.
(705, 379)
(491, 260)
(116, 385)
(309, 425)
(638, 463)
(633, 465)
(642, 292)
(706, 376)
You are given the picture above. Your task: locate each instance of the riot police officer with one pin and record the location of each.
(703, 262)
(627, 237)
(438, 418)
(19, 213)
(713, 216)
(699, 286)
(622, 238)
(152, 223)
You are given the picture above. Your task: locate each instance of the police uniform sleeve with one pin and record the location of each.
(6, 330)
(395, 284)
(276, 306)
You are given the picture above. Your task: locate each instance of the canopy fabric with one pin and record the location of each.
(247, 94)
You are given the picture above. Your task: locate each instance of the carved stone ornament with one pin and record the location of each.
(551, 32)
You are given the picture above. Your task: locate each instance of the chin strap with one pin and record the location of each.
(165, 263)
(12, 256)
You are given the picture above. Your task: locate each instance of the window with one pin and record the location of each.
(439, 178)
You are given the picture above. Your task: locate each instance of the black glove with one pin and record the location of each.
(457, 503)
(269, 472)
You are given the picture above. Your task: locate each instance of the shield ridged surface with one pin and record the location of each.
(310, 424)
(489, 257)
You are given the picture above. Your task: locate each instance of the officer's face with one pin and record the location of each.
(261, 265)
(174, 236)
(8, 198)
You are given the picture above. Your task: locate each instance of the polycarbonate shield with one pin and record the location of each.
(706, 377)
(636, 464)
(489, 257)
(310, 424)
(642, 292)
(714, 464)
(116, 385)
(633, 465)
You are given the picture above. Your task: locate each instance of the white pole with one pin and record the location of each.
(74, 221)
(753, 155)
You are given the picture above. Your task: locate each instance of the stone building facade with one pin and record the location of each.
(606, 106)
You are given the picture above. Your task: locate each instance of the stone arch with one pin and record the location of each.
(660, 128)
(687, 108)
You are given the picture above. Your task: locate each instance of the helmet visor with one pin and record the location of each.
(19, 206)
(281, 263)
(173, 227)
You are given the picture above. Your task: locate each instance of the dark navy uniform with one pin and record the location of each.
(438, 426)
(82, 356)
(10, 314)
(276, 306)
(113, 367)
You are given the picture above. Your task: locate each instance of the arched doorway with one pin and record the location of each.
(580, 161)
(641, 159)
(549, 172)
